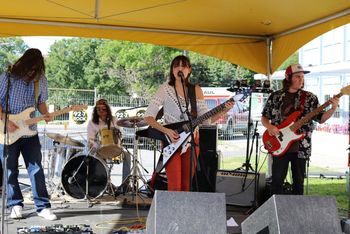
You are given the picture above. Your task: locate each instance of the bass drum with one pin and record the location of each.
(82, 169)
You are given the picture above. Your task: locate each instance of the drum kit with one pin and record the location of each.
(87, 175)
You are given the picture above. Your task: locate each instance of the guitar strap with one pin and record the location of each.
(193, 101)
(36, 92)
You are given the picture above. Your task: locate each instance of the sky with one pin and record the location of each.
(42, 43)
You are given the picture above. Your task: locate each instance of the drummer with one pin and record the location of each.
(102, 118)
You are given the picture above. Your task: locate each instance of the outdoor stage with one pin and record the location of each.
(105, 214)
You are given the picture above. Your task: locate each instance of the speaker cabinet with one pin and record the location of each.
(239, 186)
(208, 159)
(187, 213)
(294, 214)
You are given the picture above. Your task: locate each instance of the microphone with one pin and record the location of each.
(181, 74)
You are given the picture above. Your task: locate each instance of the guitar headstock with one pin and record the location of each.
(241, 95)
(77, 107)
(345, 90)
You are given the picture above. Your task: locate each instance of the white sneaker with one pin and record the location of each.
(16, 212)
(47, 213)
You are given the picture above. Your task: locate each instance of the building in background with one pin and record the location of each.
(328, 59)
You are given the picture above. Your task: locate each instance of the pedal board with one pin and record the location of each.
(57, 229)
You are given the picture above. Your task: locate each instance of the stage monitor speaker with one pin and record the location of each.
(187, 213)
(239, 186)
(208, 159)
(294, 214)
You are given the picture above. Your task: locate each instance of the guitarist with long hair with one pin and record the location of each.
(21, 78)
(283, 104)
(171, 96)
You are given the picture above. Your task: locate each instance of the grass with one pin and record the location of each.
(236, 162)
(331, 187)
(316, 186)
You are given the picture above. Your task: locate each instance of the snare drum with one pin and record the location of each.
(110, 143)
(82, 169)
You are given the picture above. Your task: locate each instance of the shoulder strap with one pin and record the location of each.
(36, 91)
(192, 97)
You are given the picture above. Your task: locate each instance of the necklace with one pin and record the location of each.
(182, 116)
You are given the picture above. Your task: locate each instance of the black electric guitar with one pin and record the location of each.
(183, 129)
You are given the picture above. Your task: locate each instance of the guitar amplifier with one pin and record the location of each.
(208, 159)
(239, 185)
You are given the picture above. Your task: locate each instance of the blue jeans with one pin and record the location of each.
(30, 149)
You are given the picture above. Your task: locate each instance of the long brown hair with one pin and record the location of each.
(31, 62)
(95, 117)
(176, 61)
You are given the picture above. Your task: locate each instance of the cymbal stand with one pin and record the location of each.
(132, 180)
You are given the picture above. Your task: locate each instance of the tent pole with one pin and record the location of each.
(269, 77)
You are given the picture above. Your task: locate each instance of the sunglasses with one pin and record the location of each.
(101, 109)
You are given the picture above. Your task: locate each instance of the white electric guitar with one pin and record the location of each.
(23, 121)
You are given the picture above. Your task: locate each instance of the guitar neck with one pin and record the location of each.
(209, 114)
(54, 114)
(307, 118)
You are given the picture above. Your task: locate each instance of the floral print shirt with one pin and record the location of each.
(273, 111)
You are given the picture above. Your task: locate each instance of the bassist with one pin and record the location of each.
(279, 106)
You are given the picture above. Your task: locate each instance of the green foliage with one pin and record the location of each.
(211, 72)
(11, 48)
(139, 68)
(119, 67)
(72, 64)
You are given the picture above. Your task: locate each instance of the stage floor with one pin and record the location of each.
(107, 214)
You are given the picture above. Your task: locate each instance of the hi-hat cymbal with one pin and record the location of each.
(64, 139)
(132, 122)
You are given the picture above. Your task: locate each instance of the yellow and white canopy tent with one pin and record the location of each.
(256, 34)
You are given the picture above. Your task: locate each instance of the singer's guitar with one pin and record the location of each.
(23, 121)
(183, 129)
(278, 145)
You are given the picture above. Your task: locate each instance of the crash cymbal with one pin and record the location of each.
(132, 122)
(65, 139)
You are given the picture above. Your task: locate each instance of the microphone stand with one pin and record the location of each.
(193, 155)
(5, 155)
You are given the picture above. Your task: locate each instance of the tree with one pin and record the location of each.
(128, 68)
(72, 63)
(138, 67)
(11, 48)
(212, 72)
